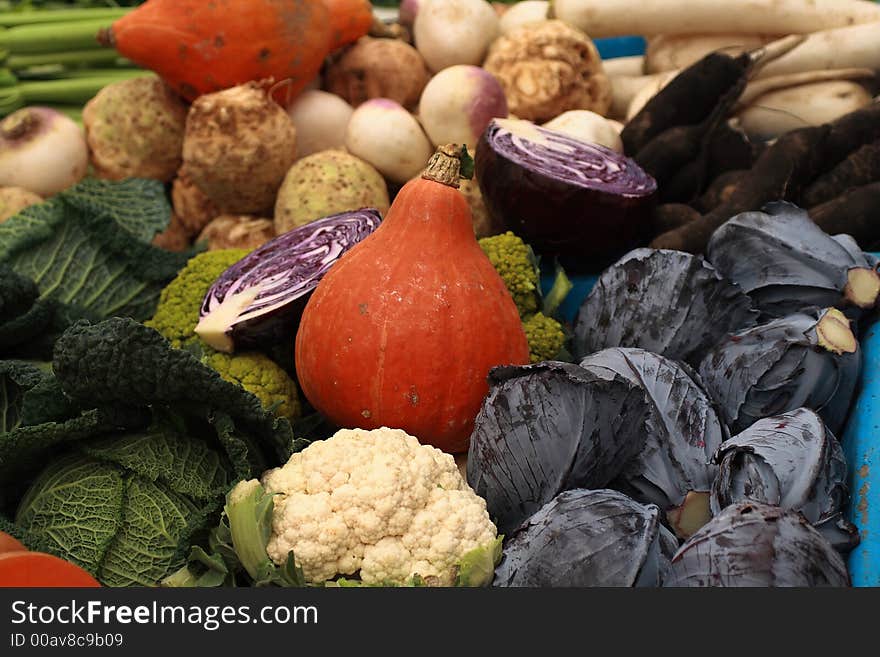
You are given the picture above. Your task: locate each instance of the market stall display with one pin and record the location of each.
(469, 293)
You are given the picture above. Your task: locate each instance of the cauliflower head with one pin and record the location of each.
(515, 262)
(259, 375)
(177, 314)
(378, 504)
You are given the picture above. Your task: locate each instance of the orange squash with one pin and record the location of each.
(404, 328)
(202, 46)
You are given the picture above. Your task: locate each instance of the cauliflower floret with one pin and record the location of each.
(375, 503)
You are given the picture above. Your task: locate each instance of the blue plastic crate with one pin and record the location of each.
(860, 442)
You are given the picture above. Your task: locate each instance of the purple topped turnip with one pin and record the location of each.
(258, 301)
(562, 195)
(458, 103)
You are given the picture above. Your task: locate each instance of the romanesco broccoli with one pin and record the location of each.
(514, 260)
(545, 336)
(178, 313)
(258, 374)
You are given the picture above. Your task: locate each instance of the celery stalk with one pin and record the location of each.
(68, 58)
(31, 17)
(52, 37)
(74, 91)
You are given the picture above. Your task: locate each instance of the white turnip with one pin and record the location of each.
(587, 126)
(42, 151)
(320, 119)
(458, 103)
(450, 32)
(522, 13)
(382, 133)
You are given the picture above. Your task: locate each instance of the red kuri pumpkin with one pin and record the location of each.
(403, 330)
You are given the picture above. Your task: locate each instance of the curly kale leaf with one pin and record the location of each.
(88, 248)
(118, 362)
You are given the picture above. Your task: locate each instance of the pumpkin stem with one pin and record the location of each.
(450, 163)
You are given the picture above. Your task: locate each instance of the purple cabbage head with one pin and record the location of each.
(258, 301)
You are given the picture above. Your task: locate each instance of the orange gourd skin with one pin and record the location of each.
(403, 330)
(351, 19)
(202, 46)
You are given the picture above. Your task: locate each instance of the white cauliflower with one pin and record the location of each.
(380, 505)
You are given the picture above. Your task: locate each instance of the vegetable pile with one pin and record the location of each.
(282, 289)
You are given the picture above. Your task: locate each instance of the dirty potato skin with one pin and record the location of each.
(547, 69)
(325, 183)
(378, 68)
(134, 129)
(237, 147)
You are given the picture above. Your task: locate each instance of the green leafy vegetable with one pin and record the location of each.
(88, 248)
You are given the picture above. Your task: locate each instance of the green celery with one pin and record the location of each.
(67, 92)
(34, 16)
(52, 37)
(68, 58)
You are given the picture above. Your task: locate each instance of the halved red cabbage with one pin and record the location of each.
(258, 301)
(563, 196)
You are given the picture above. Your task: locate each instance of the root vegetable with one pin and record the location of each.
(644, 93)
(350, 20)
(778, 112)
(484, 225)
(633, 66)
(237, 148)
(191, 205)
(669, 52)
(625, 87)
(587, 126)
(326, 183)
(134, 129)
(782, 172)
(719, 190)
(237, 232)
(173, 238)
(687, 99)
(15, 199)
(854, 46)
(549, 68)
(449, 32)
(458, 103)
(42, 151)
(523, 13)
(378, 68)
(757, 88)
(320, 119)
(672, 215)
(384, 134)
(860, 168)
(407, 12)
(606, 18)
(854, 213)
